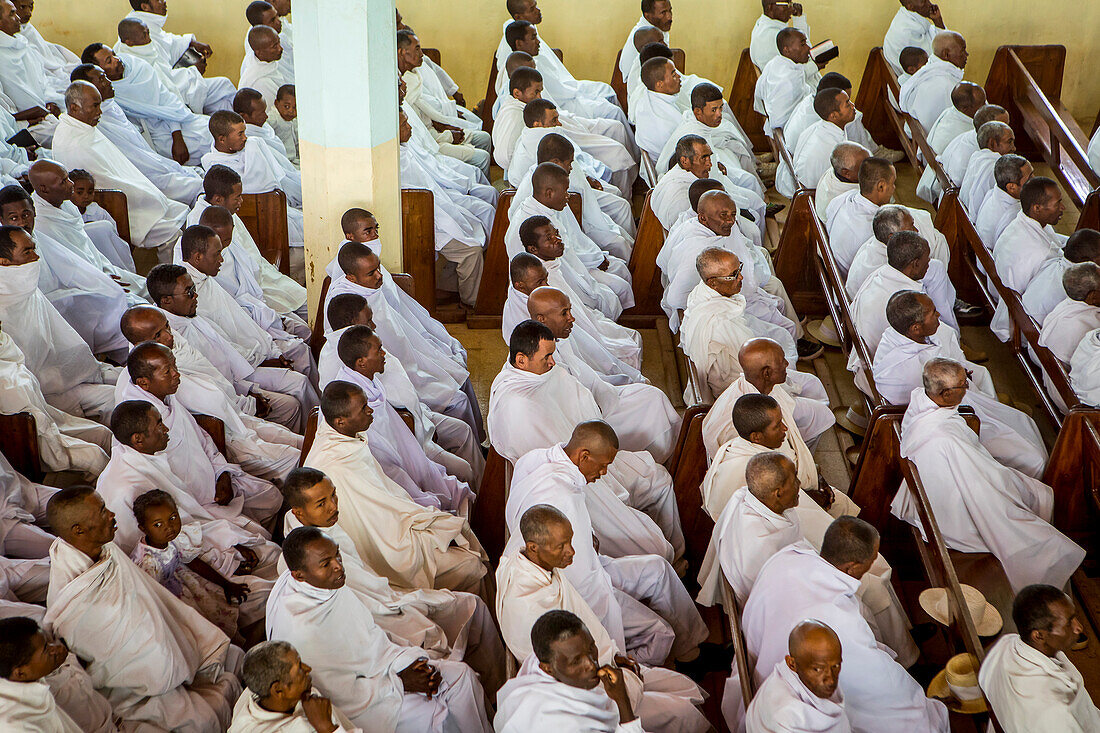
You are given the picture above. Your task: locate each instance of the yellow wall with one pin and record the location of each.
(590, 32)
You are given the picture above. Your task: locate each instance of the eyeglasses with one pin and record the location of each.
(190, 291)
(728, 278)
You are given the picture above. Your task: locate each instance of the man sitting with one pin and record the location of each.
(377, 683)
(785, 79)
(279, 694)
(615, 589)
(798, 583)
(412, 546)
(1069, 321)
(656, 110)
(1006, 512)
(1001, 205)
(916, 25)
(116, 617)
(530, 583)
(884, 223)
(994, 140)
(812, 152)
(966, 99)
(262, 68)
(1046, 291)
(803, 689)
(776, 17)
(1029, 681)
(927, 93)
(849, 215)
(24, 78)
(155, 220)
(842, 176)
(804, 116)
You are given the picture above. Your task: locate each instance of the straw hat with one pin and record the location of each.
(958, 683)
(824, 331)
(986, 618)
(851, 420)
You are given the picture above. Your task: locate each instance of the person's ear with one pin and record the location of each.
(545, 667)
(359, 362)
(790, 663)
(20, 674)
(754, 437)
(298, 575)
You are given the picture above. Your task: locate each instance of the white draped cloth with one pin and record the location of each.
(805, 115)
(994, 213)
(869, 304)
(670, 198)
(29, 707)
(827, 189)
(155, 658)
(811, 156)
(1022, 248)
(949, 125)
(784, 704)
(908, 29)
(425, 93)
(1084, 369)
(357, 666)
(154, 218)
(411, 546)
(261, 170)
(978, 180)
(980, 504)
(927, 93)
(795, 584)
(65, 442)
(657, 115)
(57, 60)
(729, 144)
(600, 156)
(850, 223)
(23, 75)
(956, 156)
(664, 701)
(250, 717)
(458, 217)
(1035, 693)
(264, 76)
(1046, 291)
(1066, 326)
(762, 44)
(782, 84)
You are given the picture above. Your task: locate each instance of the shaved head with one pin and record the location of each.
(261, 36)
(43, 171)
(768, 471)
(758, 353)
(141, 322)
(595, 435)
(216, 216)
(130, 29)
(647, 35)
(546, 300)
(711, 202)
(517, 60)
(814, 654)
(967, 97)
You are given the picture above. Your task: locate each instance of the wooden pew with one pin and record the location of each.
(317, 334)
(879, 116)
(264, 216)
(19, 444)
(491, 92)
(418, 245)
(1027, 81)
(688, 465)
(644, 273)
(741, 94)
(487, 515)
(494, 278)
(215, 428)
(310, 434)
(114, 203)
(433, 54)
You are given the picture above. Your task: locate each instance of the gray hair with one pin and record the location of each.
(1081, 279)
(709, 260)
(889, 220)
(904, 310)
(992, 131)
(74, 95)
(1007, 170)
(265, 664)
(844, 154)
(940, 374)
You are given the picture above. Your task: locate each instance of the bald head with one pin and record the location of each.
(647, 35)
(50, 181)
(968, 97)
(758, 354)
(950, 47)
(846, 160)
(261, 36)
(517, 60)
(767, 472)
(133, 32)
(811, 633)
(544, 301)
(216, 217)
(143, 323)
(595, 436)
(814, 654)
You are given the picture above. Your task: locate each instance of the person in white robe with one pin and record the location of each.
(804, 115)
(801, 397)
(714, 227)
(927, 93)
(812, 152)
(1069, 321)
(222, 186)
(638, 598)
(446, 624)
(155, 220)
(883, 224)
(392, 443)
(656, 15)
(285, 122)
(152, 377)
(1027, 678)
(784, 81)
(655, 108)
(621, 352)
(531, 583)
(279, 695)
(57, 218)
(25, 81)
(156, 659)
(22, 505)
(775, 17)
(916, 336)
(1083, 373)
(956, 156)
(201, 93)
(262, 68)
(1045, 291)
(842, 177)
(173, 129)
(177, 182)
(994, 140)
(288, 394)
(410, 545)
(989, 507)
(917, 23)
(65, 442)
(71, 378)
(434, 360)
(798, 583)
(796, 696)
(23, 587)
(1001, 205)
(57, 60)
(426, 95)
(378, 684)
(452, 144)
(277, 16)
(249, 104)
(966, 99)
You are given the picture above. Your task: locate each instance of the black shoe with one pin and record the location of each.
(772, 209)
(966, 310)
(809, 350)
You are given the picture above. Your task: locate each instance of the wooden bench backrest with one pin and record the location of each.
(19, 443)
(418, 243)
(433, 54)
(743, 664)
(487, 515)
(644, 273)
(215, 428)
(741, 94)
(114, 203)
(264, 215)
(688, 465)
(317, 335)
(310, 434)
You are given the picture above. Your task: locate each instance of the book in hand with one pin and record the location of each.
(190, 57)
(22, 139)
(824, 52)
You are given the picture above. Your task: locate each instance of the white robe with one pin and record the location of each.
(980, 504)
(357, 667)
(908, 29)
(949, 125)
(154, 218)
(994, 213)
(458, 217)
(795, 584)
(927, 93)
(812, 155)
(1045, 291)
(1084, 373)
(869, 304)
(781, 86)
(664, 701)
(250, 717)
(872, 255)
(58, 61)
(850, 224)
(762, 43)
(1022, 248)
(25, 82)
(827, 189)
(156, 658)
(978, 180)
(670, 198)
(731, 148)
(411, 546)
(805, 115)
(1066, 326)
(600, 156)
(29, 707)
(629, 54)
(1033, 693)
(264, 76)
(783, 704)
(65, 442)
(261, 171)
(425, 93)
(657, 115)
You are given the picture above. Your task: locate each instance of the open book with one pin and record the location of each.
(824, 52)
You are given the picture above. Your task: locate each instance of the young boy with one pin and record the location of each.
(83, 197)
(285, 123)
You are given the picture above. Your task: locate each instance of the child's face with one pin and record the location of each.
(287, 107)
(47, 656)
(162, 524)
(83, 193)
(363, 231)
